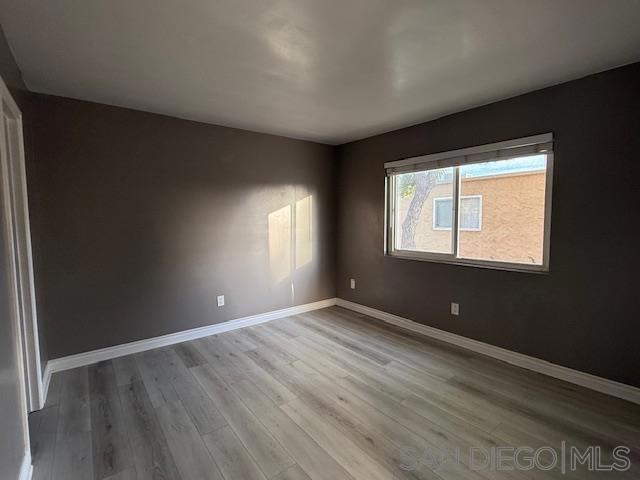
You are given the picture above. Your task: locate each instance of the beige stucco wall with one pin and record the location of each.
(512, 219)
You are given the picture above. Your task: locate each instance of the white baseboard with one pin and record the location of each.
(599, 384)
(94, 356)
(26, 469)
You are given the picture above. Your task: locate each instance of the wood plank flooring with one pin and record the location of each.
(326, 395)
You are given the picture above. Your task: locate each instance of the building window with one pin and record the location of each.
(485, 206)
(470, 213)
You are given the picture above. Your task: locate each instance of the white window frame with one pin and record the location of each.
(534, 145)
(462, 197)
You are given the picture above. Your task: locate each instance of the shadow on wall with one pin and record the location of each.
(290, 241)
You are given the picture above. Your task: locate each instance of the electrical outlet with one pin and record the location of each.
(353, 284)
(455, 309)
(221, 300)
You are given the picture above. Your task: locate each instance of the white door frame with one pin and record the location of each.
(13, 151)
(26, 468)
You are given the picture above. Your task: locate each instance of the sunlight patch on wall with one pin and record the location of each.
(290, 239)
(303, 233)
(280, 233)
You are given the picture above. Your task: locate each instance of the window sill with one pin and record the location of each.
(436, 258)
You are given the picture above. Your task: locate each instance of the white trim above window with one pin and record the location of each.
(497, 160)
(492, 151)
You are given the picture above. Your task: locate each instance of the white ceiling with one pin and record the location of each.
(324, 70)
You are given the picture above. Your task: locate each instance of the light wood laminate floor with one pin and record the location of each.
(327, 395)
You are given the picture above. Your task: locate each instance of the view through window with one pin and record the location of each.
(490, 211)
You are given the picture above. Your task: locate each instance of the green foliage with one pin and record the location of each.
(407, 184)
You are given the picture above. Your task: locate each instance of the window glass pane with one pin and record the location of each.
(415, 225)
(502, 210)
(443, 212)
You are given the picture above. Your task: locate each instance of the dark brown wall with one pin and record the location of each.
(584, 313)
(9, 70)
(140, 220)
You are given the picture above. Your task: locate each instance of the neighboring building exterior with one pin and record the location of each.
(503, 215)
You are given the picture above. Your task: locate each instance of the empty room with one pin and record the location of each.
(319, 240)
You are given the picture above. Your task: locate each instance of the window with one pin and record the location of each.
(442, 213)
(470, 213)
(485, 206)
